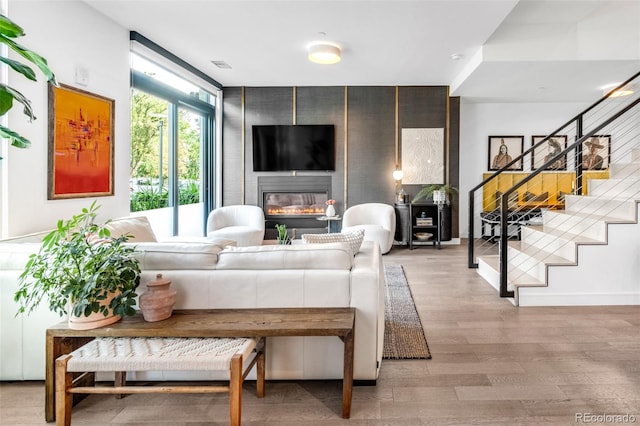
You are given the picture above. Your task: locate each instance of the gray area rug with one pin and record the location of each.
(403, 334)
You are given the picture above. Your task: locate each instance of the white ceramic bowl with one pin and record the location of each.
(423, 236)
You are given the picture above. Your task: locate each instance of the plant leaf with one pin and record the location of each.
(10, 28)
(28, 111)
(6, 101)
(23, 69)
(15, 138)
(38, 60)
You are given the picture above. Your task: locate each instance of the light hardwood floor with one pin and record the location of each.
(493, 364)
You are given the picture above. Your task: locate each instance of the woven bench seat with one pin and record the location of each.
(124, 354)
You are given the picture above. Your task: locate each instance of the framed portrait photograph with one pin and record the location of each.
(503, 149)
(81, 126)
(549, 149)
(596, 152)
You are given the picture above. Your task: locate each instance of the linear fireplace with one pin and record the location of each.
(297, 201)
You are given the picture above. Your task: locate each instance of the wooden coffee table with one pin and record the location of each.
(259, 322)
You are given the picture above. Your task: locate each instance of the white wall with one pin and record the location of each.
(478, 121)
(68, 34)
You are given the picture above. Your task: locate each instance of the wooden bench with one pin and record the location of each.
(107, 354)
(255, 322)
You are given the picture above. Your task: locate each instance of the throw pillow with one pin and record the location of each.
(354, 239)
(529, 196)
(138, 226)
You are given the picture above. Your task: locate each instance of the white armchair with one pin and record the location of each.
(243, 223)
(376, 219)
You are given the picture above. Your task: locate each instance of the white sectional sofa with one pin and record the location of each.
(211, 274)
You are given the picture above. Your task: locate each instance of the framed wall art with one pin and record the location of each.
(81, 126)
(596, 152)
(423, 156)
(503, 149)
(547, 151)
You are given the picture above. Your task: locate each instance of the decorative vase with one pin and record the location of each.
(157, 302)
(331, 211)
(95, 320)
(439, 196)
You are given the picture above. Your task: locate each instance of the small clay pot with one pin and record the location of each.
(157, 302)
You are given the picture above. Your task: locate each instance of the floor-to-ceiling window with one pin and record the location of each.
(172, 167)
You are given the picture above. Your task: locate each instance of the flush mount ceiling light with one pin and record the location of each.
(324, 53)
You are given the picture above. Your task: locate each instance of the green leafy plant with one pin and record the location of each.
(149, 198)
(82, 264)
(427, 191)
(283, 236)
(9, 31)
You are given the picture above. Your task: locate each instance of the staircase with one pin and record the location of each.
(585, 251)
(587, 254)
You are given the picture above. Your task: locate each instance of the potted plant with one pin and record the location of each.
(440, 194)
(83, 271)
(283, 236)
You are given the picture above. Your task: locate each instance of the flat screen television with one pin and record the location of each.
(295, 147)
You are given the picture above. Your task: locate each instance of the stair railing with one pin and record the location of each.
(576, 147)
(626, 129)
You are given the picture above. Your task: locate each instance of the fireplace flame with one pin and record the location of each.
(294, 211)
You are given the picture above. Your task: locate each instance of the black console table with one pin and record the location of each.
(414, 218)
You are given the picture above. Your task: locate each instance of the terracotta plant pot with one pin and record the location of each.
(95, 320)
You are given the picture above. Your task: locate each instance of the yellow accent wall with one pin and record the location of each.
(553, 183)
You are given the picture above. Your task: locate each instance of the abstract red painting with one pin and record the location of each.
(81, 146)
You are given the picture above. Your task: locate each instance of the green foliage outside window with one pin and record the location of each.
(148, 119)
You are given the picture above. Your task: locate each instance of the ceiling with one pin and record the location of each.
(509, 50)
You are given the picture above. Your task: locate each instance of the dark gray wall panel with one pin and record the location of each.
(325, 105)
(263, 105)
(426, 107)
(421, 107)
(370, 135)
(371, 145)
(231, 147)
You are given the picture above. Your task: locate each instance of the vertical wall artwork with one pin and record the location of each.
(503, 149)
(423, 156)
(81, 126)
(596, 152)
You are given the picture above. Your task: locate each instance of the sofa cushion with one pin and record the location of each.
(353, 238)
(177, 255)
(138, 226)
(16, 255)
(298, 256)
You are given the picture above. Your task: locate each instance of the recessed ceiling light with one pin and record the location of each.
(221, 64)
(324, 53)
(456, 56)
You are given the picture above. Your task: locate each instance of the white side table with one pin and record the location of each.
(328, 219)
